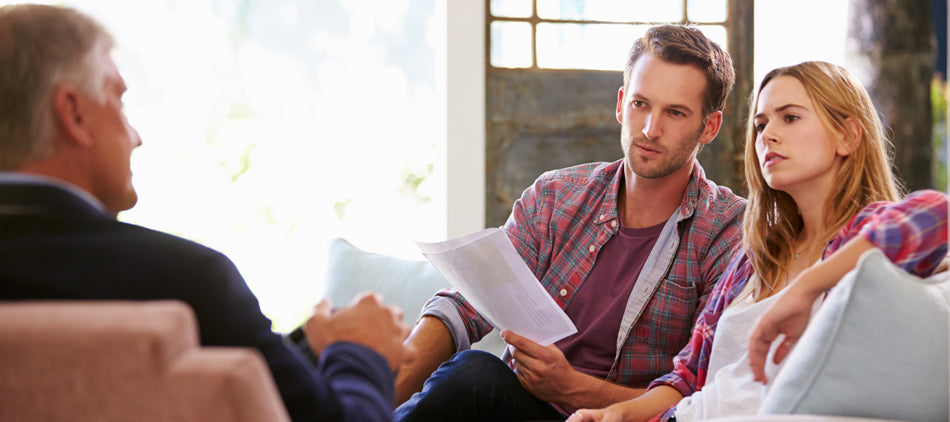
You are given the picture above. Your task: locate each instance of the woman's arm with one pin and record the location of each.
(911, 233)
(642, 408)
(791, 311)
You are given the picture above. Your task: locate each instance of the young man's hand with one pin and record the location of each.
(543, 371)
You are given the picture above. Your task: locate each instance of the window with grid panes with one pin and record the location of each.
(587, 34)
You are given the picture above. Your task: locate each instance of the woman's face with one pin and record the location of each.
(796, 151)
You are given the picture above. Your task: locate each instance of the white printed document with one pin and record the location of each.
(487, 270)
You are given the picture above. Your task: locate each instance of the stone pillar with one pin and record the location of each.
(891, 50)
(723, 158)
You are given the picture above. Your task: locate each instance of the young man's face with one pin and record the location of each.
(114, 140)
(662, 119)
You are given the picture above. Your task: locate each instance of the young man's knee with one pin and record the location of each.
(471, 366)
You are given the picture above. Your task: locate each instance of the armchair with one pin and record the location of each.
(119, 361)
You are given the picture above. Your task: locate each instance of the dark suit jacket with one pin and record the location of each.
(56, 245)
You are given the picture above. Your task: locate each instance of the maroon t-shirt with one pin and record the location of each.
(599, 303)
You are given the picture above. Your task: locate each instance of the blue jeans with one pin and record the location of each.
(474, 386)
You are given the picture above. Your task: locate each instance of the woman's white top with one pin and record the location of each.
(730, 389)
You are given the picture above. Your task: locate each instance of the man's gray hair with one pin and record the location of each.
(41, 48)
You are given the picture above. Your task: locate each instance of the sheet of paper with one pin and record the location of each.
(487, 270)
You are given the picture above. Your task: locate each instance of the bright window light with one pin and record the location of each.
(790, 35)
(272, 126)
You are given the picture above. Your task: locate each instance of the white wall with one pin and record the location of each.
(465, 117)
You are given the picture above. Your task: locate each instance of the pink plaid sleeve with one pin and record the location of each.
(912, 233)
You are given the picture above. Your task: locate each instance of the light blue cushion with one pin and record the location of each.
(406, 283)
(402, 282)
(877, 347)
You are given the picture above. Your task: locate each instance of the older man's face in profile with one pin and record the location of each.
(114, 139)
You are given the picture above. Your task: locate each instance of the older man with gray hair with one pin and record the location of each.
(65, 149)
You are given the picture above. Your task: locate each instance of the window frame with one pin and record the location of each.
(533, 20)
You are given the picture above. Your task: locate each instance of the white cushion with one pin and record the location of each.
(877, 348)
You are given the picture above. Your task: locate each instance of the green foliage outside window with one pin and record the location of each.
(938, 101)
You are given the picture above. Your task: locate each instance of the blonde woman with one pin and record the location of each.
(821, 193)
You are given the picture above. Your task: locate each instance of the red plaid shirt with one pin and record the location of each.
(561, 222)
(911, 233)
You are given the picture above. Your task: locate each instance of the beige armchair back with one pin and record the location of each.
(124, 361)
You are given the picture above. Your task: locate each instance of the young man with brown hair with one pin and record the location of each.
(630, 250)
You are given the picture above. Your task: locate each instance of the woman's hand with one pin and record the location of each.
(596, 415)
(788, 315)
(646, 407)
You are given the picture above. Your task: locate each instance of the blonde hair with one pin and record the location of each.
(42, 47)
(772, 220)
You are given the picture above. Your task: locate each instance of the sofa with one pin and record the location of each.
(877, 349)
(125, 361)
